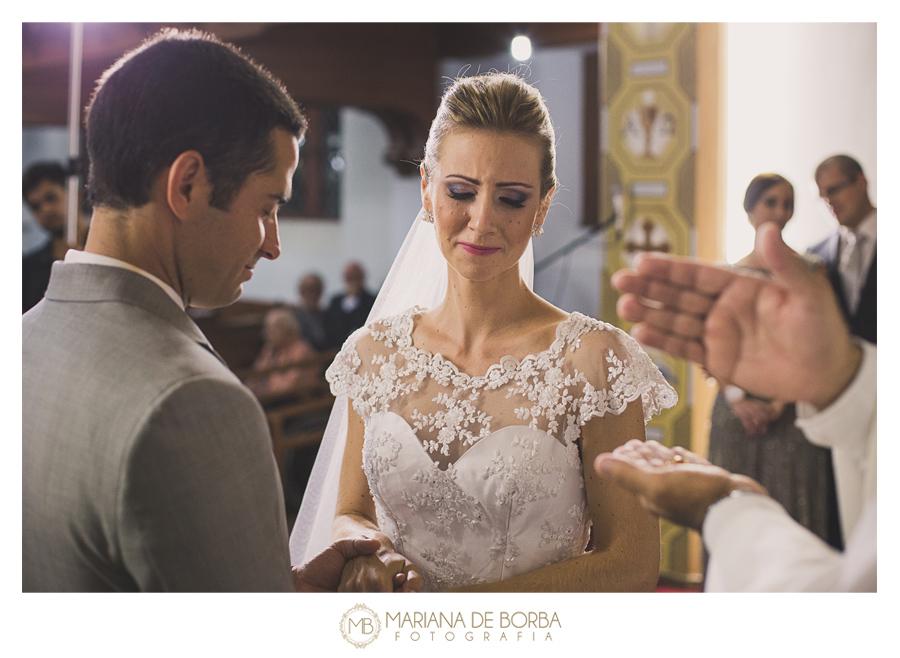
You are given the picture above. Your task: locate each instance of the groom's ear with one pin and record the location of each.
(186, 185)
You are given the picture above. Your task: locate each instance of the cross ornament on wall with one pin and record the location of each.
(647, 227)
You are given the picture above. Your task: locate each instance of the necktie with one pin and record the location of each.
(851, 270)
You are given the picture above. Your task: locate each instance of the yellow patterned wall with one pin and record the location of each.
(648, 165)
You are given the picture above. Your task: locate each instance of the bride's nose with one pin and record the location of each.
(481, 216)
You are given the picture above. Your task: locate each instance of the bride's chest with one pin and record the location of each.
(510, 467)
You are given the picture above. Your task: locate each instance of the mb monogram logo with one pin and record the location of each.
(360, 626)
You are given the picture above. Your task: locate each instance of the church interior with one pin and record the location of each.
(659, 129)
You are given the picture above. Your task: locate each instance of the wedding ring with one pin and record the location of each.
(676, 459)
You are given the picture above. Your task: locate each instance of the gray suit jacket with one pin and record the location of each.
(146, 464)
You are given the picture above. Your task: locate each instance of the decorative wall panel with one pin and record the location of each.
(648, 147)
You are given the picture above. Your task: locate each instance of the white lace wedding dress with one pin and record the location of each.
(479, 478)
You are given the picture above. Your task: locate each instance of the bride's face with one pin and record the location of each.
(485, 197)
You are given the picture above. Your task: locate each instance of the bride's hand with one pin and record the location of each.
(386, 571)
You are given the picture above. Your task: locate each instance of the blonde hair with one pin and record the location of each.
(500, 102)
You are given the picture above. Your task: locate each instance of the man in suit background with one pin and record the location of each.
(348, 310)
(44, 192)
(850, 254)
(146, 464)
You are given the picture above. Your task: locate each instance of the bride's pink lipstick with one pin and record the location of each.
(478, 251)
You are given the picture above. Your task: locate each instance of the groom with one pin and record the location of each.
(146, 464)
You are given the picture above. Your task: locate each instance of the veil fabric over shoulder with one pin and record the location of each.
(418, 277)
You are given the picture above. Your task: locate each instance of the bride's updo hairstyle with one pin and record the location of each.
(501, 102)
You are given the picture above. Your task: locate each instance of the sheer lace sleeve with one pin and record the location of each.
(342, 374)
(370, 364)
(618, 371)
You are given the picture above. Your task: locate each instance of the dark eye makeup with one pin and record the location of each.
(514, 202)
(511, 200)
(459, 196)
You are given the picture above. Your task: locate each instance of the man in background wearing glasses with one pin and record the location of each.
(850, 253)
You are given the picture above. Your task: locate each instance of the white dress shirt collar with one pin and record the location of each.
(88, 258)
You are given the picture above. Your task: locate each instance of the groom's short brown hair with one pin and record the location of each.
(181, 91)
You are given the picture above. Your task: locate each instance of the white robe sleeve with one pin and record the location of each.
(755, 546)
(847, 426)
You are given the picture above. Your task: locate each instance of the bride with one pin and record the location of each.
(464, 423)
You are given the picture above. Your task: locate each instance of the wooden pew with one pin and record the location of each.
(296, 417)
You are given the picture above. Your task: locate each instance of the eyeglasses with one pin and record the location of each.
(835, 189)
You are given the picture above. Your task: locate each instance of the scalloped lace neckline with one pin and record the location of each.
(506, 365)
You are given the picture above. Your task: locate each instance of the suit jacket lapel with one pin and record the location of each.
(830, 253)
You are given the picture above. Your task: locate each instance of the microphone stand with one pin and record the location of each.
(574, 244)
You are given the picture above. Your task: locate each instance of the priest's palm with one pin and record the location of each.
(781, 337)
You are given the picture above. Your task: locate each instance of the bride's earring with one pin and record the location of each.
(537, 231)
(429, 217)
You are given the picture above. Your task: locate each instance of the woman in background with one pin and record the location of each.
(286, 360)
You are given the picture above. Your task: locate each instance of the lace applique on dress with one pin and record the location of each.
(452, 423)
(479, 478)
(524, 479)
(562, 536)
(445, 569)
(440, 501)
(380, 454)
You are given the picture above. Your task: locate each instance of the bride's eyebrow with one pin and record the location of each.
(475, 181)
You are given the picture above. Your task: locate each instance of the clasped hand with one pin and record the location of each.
(756, 415)
(385, 571)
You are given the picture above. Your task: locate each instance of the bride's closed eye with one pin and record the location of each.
(460, 196)
(514, 201)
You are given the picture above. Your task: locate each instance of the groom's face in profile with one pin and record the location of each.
(224, 246)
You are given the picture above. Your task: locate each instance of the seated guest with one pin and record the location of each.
(310, 313)
(44, 191)
(781, 337)
(348, 310)
(283, 346)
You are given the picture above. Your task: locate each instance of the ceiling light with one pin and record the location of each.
(521, 48)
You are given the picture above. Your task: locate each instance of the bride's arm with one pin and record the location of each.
(625, 557)
(387, 570)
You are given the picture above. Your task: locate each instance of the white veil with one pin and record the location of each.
(418, 277)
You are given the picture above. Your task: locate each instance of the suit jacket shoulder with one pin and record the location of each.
(828, 249)
(144, 458)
